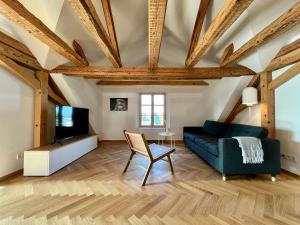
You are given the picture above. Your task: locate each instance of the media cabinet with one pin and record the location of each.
(46, 160)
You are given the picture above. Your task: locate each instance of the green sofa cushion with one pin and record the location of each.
(207, 143)
(234, 130)
(214, 128)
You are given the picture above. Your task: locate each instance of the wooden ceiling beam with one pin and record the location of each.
(198, 25)
(110, 25)
(56, 98)
(17, 13)
(9, 41)
(20, 57)
(286, 21)
(145, 77)
(156, 19)
(197, 73)
(79, 50)
(18, 51)
(289, 48)
(151, 82)
(56, 90)
(88, 15)
(19, 72)
(225, 18)
(285, 77)
(284, 60)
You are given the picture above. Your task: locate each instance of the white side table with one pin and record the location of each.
(164, 135)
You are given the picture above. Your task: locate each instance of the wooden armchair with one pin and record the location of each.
(138, 144)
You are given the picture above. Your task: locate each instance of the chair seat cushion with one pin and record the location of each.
(208, 143)
(159, 150)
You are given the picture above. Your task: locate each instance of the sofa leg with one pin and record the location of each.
(224, 177)
(273, 178)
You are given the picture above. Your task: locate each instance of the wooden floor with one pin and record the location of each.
(93, 190)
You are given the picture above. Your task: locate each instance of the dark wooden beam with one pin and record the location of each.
(23, 59)
(41, 110)
(9, 41)
(78, 49)
(151, 82)
(56, 90)
(230, 12)
(17, 13)
(198, 25)
(267, 103)
(286, 21)
(110, 25)
(284, 60)
(88, 15)
(285, 77)
(56, 98)
(18, 52)
(156, 19)
(19, 72)
(131, 72)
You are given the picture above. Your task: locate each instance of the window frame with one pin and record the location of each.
(152, 111)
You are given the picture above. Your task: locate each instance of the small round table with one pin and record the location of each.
(164, 135)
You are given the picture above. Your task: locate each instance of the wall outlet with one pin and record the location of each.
(289, 157)
(20, 156)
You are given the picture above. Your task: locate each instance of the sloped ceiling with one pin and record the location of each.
(131, 23)
(130, 18)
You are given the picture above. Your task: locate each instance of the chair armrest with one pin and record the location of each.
(231, 156)
(192, 129)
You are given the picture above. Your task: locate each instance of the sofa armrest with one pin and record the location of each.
(231, 160)
(192, 129)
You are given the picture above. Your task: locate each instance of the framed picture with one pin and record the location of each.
(118, 104)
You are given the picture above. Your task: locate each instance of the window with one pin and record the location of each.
(152, 110)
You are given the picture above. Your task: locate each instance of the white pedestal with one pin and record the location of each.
(48, 159)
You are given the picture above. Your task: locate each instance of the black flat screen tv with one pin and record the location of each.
(70, 122)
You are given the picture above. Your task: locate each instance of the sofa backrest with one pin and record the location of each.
(234, 130)
(216, 129)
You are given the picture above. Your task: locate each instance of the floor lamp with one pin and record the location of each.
(250, 98)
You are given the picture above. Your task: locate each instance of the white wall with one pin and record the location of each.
(250, 116)
(83, 93)
(16, 121)
(184, 105)
(287, 111)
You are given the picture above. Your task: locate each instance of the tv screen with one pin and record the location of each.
(71, 121)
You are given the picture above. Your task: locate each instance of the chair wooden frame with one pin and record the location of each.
(146, 152)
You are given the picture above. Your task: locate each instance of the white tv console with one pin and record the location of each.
(44, 161)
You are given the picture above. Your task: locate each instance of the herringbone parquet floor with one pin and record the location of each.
(93, 190)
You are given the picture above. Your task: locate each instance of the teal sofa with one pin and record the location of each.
(214, 143)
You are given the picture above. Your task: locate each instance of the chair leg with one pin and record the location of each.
(129, 160)
(147, 174)
(170, 162)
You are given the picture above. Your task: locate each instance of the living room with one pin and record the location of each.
(149, 112)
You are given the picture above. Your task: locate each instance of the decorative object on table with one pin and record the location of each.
(164, 135)
(167, 126)
(118, 104)
(138, 144)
